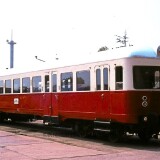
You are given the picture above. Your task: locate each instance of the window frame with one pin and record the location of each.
(87, 88)
(98, 79)
(28, 90)
(16, 81)
(66, 81)
(10, 85)
(2, 87)
(36, 86)
(54, 82)
(118, 77)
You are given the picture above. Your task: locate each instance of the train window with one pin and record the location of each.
(36, 84)
(98, 79)
(67, 81)
(157, 79)
(146, 77)
(26, 85)
(105, 78)
(54, 83)
(16, 85)
(83, 80)
(8, 86)
(119, 77)
(1, 86)
(46, 83)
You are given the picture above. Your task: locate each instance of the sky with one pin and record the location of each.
(72, 28)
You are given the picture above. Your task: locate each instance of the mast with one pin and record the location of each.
(11, 43)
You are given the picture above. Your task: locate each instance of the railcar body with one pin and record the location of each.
(115, 95)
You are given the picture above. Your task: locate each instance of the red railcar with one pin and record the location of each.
(117, 93)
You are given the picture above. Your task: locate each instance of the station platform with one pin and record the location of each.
(20, 147)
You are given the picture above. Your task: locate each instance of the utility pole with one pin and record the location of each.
(11, 43)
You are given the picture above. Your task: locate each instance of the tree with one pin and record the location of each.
(103, 49)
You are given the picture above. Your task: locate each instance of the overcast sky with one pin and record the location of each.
(45, 28)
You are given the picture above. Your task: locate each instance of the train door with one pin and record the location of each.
(54, 100)
(46, 95)
(51, 98)
(102, 91)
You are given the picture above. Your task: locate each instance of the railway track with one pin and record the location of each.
(36, 129)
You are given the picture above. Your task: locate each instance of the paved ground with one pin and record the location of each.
(20, 147)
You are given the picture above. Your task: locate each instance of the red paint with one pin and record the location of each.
(119, 106)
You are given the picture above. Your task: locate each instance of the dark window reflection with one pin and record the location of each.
(83, 80)
(67, 81)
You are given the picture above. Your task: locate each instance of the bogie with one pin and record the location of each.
(83, 128)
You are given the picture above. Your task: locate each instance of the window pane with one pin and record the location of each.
(54, 83)
(26, 85)
(8, 86)
(119, 77)
(36, 83)
(67, 81)
(16, 86)
(83, 80)
(98, 79)
(146, 77)
(1, 86)
(157, 79)
(46, 83)
(105, 78)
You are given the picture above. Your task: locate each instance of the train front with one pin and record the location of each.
(143, 100)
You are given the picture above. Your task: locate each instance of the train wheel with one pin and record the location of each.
(82, 129)
(1, 118)
(115, 134)
(145, 136)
